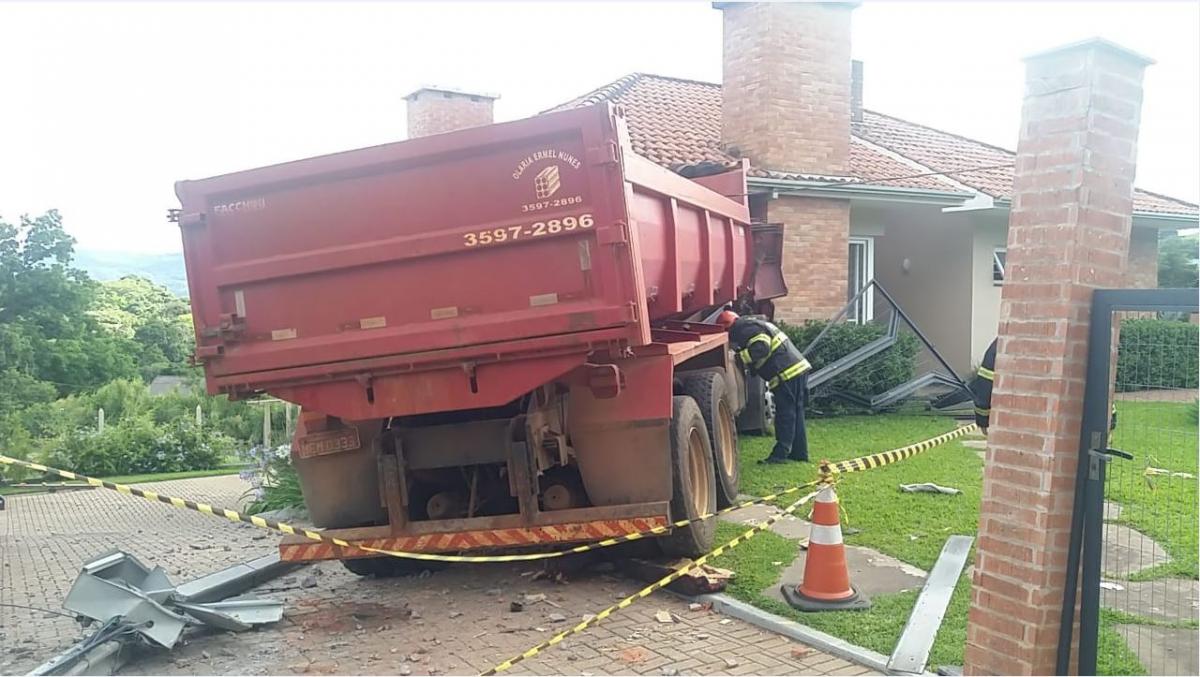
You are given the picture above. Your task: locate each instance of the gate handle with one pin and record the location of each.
(1115, 452)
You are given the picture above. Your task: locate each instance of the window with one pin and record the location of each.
(999, 257)
(860, 271)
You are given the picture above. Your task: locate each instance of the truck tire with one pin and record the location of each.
(711, 392)
(389, 567)
(758, 416)
(693, 482)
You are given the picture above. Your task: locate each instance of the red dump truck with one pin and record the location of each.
(496, 336)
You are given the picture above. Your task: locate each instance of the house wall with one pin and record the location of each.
(990, 230)
(935, 291)
(815, 255)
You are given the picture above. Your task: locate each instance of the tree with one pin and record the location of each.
(160, 322)
(46, 333)
(1177, 262)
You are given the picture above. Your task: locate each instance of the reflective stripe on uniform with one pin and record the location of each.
(775, 343)
(987, 374)
(983, 412)
(790, 373)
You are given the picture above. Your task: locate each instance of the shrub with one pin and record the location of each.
(275, 481)
(1157, 354)
(878, 374)
(137, 445)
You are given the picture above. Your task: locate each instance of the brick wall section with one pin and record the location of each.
(786, 84)
(786, 105)
(433, 111)
(815, 245)
(1069, 233)
(1143, 259)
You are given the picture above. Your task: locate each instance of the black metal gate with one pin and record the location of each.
(1135, 524)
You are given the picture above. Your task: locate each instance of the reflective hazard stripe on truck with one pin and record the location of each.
(300, 551)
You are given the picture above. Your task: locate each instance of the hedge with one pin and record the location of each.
(138, 445)
(1157, 354)
(877, 375)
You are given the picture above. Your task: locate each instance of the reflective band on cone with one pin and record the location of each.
(826, 585)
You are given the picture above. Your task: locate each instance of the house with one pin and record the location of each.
(861, 194)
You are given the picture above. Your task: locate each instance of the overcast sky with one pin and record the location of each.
(104, 106)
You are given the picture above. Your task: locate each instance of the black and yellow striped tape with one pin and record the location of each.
(235, 516)
(862, 463)
(894, 455)
(657, 585)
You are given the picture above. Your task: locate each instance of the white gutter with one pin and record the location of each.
(858, 191)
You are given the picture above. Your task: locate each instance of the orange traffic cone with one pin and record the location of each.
(826, 585)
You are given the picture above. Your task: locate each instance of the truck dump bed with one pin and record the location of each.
(449, 272)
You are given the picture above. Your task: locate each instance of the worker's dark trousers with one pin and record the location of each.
(791, 437)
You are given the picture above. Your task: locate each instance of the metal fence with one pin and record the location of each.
(1136, 523)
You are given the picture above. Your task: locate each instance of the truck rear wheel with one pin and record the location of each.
(389, 567)
(711, 393)
(758, 416)
(693, 482)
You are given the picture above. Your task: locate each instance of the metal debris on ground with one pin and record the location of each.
(912, 649)
(929, 488)
(117, 585)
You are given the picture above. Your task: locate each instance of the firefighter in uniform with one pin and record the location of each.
(981, 390)
(981, 387)
(768, 352)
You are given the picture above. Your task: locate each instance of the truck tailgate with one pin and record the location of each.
(487, 235)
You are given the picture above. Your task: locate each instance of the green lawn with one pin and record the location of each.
(910, 527)
(914, 527)
(229, 469)
(1160, 435)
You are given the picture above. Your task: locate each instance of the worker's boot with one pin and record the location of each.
(772, 459)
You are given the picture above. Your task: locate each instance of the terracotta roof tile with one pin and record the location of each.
(677, 122)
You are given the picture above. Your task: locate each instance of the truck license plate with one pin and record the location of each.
(329, 442)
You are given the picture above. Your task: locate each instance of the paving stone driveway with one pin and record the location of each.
(459, 621)
(454, 621)
(45, 538)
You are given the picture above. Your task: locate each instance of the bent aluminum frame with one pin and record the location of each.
(843, 364)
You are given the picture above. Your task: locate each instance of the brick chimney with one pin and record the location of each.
(786, 105)
(436, 110)
(856, 87)
(786, 74)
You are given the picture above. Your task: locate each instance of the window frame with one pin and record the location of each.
(999, 262)
(866, 274)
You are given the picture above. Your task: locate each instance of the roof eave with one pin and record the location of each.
(1159, 220)
(857, 191)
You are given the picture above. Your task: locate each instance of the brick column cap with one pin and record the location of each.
(450, 90)
(848, 4)
(1093, 44)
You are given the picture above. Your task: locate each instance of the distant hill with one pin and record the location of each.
(164, 269)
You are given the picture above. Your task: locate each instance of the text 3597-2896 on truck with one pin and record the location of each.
(498, 336)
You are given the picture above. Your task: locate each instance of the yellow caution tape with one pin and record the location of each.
(861, 463)
(263, 523)
(657, 585)
(895, 455)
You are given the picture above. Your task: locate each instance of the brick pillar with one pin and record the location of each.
(1068, 234)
